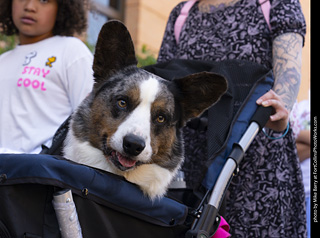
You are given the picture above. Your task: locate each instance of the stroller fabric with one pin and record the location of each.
(28, 182)
(106, 203)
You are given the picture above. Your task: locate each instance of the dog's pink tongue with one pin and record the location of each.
(125, 162)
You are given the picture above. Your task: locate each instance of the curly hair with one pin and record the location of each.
(71, 18)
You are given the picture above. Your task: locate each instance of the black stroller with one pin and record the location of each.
(109, 206)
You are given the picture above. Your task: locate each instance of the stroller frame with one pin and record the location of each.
(202, 226)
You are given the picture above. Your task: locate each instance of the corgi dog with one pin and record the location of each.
(130, 123)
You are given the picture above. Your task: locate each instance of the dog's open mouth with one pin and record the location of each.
(119, 160)
(122, 162)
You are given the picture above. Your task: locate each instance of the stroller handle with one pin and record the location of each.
(261, 116)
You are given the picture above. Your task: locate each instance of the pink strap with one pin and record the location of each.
(265, 7)
(182, 18)
(223, 230)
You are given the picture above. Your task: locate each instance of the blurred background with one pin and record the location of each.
(146, 21)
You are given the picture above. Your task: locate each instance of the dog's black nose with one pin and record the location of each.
(133, 145)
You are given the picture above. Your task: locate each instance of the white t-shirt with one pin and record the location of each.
(40, 86)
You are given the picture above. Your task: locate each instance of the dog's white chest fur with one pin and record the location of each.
(151, 178)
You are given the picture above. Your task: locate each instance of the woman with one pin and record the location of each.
(266, 198)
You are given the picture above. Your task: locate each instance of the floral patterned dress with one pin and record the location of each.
(266, 198)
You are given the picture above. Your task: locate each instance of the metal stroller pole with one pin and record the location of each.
(209, 215)
(231, 164)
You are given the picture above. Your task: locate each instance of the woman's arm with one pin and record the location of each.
(287, 49)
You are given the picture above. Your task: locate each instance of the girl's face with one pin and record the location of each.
(34, 19)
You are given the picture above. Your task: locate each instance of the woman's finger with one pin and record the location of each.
(278, 120)
(279, 115)
(275, 103)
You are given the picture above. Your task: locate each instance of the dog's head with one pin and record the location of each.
(134, 116)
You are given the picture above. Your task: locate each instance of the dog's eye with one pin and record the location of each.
(161, 119)
(122, 104)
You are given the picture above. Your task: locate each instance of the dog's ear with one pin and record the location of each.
(199, 91)
(114, 50)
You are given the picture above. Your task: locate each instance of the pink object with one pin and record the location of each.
(223, 230)
(265, 7)
(182, 18)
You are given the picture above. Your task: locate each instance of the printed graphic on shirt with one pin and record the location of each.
(34, 77)
(29, 57)
(51, 60)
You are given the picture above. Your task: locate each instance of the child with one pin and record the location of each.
(46, 76)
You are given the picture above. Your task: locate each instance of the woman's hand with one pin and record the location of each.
(279, 120)
(286, 52)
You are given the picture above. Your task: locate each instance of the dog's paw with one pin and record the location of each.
(152, 179)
